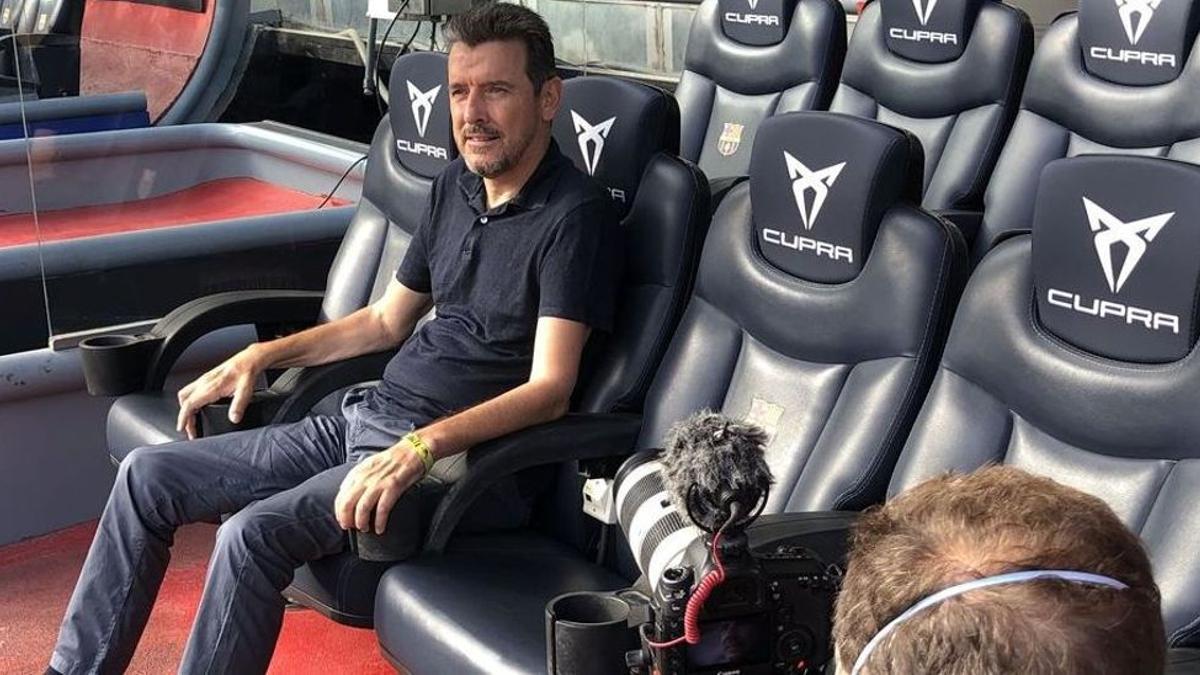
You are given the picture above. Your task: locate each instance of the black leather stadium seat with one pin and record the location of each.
(818, 310)
(747, 60)
(950, 72)
(1113, 78)
(623, 134)
(1073, 356)
(410, 147)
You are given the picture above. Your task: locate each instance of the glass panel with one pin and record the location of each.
(157, 180)
(25, 325)
(156, 177)
(680, 22)
(640, 39)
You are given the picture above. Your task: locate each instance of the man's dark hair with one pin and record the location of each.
(956, 528)
(500, 21)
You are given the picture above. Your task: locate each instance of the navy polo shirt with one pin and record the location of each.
(552, 250)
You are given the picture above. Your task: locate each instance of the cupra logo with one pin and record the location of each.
(591, 139)
(1136, 15)
(1108, 231)
(924, 10)
(1136, 236)
(805, 181)
(422, 105)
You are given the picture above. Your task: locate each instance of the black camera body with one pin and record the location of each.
(772, 614)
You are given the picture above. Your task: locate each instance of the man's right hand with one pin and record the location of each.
(235, 377)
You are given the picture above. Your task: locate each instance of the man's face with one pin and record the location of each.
(494, 110)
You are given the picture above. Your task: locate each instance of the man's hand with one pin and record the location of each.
(235, 377)
(374, 485)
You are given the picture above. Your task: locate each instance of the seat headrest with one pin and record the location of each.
(929, 31)
(819, 185)
(1116, 255)
(611, 128)
(758, 23)
(420, 113)
(1137, 42)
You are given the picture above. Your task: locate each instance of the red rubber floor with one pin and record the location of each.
(37, 575)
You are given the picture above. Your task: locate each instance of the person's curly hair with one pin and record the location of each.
(955, 528)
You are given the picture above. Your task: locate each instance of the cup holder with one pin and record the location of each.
(114, 365)
(588, 634)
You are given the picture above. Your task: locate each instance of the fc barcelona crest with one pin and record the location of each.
(731, 138)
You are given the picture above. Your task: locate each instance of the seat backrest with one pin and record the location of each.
(821, 295)
(747, 60)
(625, 135)
(1111, 78)
(951, 74)
(412, 145)
(1073, 356)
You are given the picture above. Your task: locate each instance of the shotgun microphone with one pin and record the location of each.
(713, 473)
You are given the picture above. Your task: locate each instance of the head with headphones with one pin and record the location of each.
(998, 571)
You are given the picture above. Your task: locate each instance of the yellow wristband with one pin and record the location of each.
(418, 446)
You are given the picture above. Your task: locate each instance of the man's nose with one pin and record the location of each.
(474, 110)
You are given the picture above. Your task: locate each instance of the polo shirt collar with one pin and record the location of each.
(533, 194)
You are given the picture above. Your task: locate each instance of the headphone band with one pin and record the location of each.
(953, 591)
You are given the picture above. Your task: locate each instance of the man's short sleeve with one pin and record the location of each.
(582, 268)
(414, 269)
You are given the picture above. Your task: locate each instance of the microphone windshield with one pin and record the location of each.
(711, 462)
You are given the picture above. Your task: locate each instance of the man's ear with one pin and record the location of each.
(550, 98)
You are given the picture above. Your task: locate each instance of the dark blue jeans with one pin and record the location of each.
(279, 482)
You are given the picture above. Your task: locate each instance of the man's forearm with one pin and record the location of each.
(359, 333)
(524, 406)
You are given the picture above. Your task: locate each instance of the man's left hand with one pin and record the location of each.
(374, 485)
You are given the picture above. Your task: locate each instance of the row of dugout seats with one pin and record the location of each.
(960, 75)
(820, 311)
(821, 304)
(1045, 368)
(951, 76)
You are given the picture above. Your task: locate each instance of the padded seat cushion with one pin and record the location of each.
(341, 586)
(1183, 662)
(480, 608)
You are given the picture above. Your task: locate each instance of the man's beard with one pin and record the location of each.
(507, 159)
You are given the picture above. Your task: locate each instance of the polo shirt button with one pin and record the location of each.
(483, 220)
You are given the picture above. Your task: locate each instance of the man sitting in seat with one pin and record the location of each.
(997, 572)
(520, 253)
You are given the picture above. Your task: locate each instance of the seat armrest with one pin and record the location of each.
(967, 222)
(294, 394)
(192, 320)
(574, 437)
(303, 388)
(826, 533)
